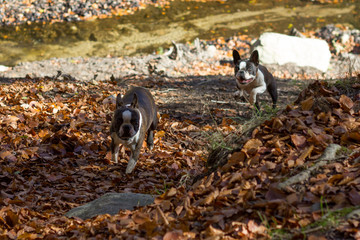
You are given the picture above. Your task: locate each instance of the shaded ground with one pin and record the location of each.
(205, 99)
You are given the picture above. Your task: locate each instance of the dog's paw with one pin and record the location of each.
(131, 165)
(114, 158)
(238, 93)
(252, 99)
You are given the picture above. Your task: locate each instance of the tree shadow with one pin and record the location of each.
(200, 99)
(208, 99)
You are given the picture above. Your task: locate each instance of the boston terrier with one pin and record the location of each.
(253, 78)
(135, 115)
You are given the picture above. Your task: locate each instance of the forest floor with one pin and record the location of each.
(55, 156)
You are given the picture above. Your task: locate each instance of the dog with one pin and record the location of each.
(135, 115)
(253, 78)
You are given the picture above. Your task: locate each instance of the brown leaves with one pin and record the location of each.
(55, 156)
(307, 104)
(11, 218)
(298, 140)
(140, 218)
(252, 144)
(354, 197)
(10, 121)
(174, 235)
(346, 103)
(7, 154)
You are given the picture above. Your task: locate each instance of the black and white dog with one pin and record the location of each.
(135, 115)
(253, 78)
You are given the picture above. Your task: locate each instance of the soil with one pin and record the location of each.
(207, 99)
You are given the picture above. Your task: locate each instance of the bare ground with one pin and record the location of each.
(204, 99)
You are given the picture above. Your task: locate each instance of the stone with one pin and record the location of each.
(275, 48)
(3, 68)
(111, 203)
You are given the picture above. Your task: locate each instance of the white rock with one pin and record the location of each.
(3, 68)
(275, 48)
(345, 38)
(211, 50)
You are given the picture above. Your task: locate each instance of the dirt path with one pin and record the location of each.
(206, 99)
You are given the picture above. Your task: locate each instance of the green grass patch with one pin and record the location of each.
(330, 219)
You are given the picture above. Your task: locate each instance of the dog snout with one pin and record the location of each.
(240, 74)
(126, 128)
(126, 131)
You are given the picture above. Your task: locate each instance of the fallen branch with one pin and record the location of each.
(329, 155)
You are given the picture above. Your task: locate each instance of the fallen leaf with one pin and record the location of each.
(252, 143)
(171, 192)
(11, 121)
(346, 102)
(298, 140)
(307, 104)
(173, 235)
(160, 134)
(140, 218)
(354, 197)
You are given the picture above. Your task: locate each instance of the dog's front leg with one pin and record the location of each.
(150, 139)
(239, 93)
(114, 151)
(135, 152)
(255, 92)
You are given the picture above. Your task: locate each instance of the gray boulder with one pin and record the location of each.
(275, 48)
(111, 203)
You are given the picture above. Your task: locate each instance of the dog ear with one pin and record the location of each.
(134, 103)
(255, 57)
(119, 101)
(236, 56)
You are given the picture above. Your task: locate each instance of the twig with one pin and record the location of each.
(161, 213)
(313, 229)
(222, 102)
(168, 90)
(328, 156)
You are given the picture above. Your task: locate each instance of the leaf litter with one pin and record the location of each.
(54, 156)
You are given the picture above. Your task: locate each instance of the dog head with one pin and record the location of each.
(127, 118)
(246, 70)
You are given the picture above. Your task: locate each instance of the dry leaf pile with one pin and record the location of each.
(54, 156)
(242, 199)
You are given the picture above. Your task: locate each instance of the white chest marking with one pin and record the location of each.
(257, 86)
(137, 136)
